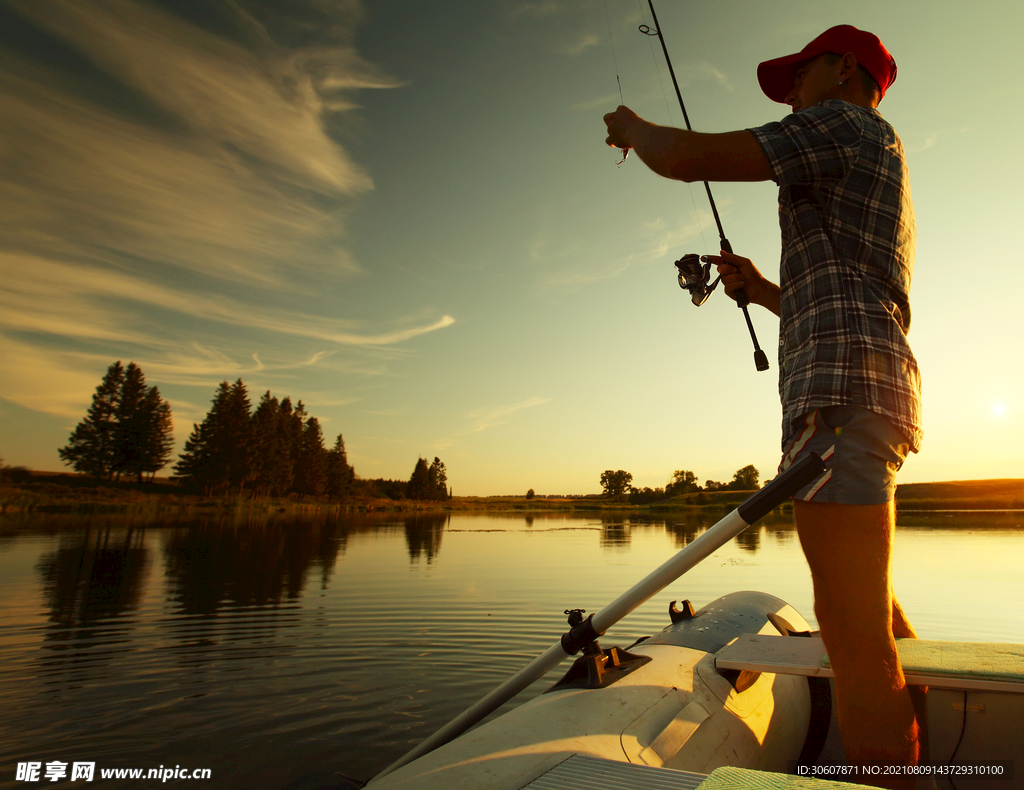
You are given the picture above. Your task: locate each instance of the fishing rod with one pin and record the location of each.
(693, 277)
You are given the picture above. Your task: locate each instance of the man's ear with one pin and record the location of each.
(848, 69)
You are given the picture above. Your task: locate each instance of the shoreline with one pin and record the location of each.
(69, 493)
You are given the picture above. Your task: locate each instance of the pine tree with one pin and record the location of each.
(438, 480)
(130, 433)
(283, 474)
(192, 463)
(419, 482)
(90, 449)
(218, 454)
(340, 476)
(238, 449)
(266, 440)
(128, 429)
(311, 464)
(159, 434)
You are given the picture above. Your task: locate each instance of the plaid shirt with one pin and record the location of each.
(848, 237)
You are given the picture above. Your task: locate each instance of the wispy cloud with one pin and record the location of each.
(716, 74)
(267, 103)
(654, 241)
(48, 380)
(583, 43)
(931, 139)
(77, 300)
(220, 182)
(482, 419)
(178, 189)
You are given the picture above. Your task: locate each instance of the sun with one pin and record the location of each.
(998, 410)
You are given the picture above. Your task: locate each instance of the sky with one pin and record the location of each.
(404, 215)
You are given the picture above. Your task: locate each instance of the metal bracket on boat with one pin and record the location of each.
(677, 615)
(596, 668)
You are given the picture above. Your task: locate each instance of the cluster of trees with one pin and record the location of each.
(275, 450)
(278, 449)
(427, 482)
(126, 431)
(618, 485)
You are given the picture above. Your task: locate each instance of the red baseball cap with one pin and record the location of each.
(776, 76)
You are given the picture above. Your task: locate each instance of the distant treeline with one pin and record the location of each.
(618, 485)
(277, 450)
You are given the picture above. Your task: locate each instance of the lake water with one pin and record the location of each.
(279, 652)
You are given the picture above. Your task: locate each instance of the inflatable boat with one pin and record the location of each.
(661, 702)
(737, 694)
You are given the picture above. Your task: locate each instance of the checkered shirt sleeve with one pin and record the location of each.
(848, 239)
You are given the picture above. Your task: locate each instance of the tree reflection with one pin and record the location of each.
(211, 564)
(685, 532)
(750, 538)
(615, 532)
(93, 576)
(423, 533)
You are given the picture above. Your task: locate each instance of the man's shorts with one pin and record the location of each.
(862, 452)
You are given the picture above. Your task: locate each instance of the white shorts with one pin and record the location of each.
(862, 452)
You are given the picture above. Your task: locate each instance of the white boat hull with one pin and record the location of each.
(676, 711)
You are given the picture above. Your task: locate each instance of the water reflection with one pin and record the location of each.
(211, 564)
(423, 533)
(234, 642)
(616, 532)
(93, 575)
(749, 539)
(685, 532)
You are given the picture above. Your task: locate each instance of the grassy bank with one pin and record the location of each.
(47, 492)
(1006, 494)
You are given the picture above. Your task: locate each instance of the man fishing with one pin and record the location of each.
(848, 380)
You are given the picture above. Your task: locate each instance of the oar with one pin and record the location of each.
(754, 508)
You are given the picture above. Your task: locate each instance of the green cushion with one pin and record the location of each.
(730, 778)
(990, 660)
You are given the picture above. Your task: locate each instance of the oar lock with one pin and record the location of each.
(596, 668)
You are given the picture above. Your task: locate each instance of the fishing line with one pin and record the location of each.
(615, 60)
(668, 111)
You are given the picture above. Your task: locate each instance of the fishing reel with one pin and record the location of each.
(694, 277)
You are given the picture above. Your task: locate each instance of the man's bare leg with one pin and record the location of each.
(849, 550)
(902, 629)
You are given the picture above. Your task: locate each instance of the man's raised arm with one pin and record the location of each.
(688, 156)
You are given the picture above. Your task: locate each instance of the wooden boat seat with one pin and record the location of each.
(972, 666)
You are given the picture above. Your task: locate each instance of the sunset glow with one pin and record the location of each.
(408, 219)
